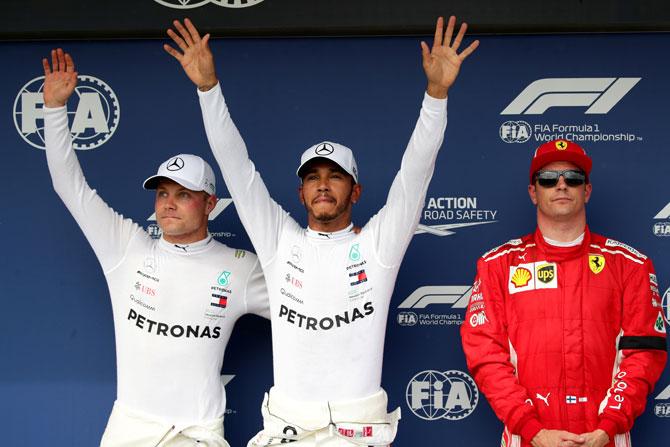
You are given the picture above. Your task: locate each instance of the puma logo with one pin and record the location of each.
(542, 398)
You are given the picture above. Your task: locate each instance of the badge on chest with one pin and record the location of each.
(532, 276)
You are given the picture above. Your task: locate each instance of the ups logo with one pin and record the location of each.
(546, 273)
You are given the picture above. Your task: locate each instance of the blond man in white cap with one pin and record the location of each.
(175, 300)
(329, 287)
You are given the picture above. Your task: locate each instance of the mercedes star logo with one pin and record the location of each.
(324, 149)
(175, 164)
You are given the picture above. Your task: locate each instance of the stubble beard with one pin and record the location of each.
(324, 216)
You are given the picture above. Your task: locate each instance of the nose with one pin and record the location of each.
(169, 203)
(561, 183)
(323, 184)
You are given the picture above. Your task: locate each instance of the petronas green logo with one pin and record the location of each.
(224, 278)
(354, 254)
(659, 326)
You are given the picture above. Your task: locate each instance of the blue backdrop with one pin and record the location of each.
(57, 379)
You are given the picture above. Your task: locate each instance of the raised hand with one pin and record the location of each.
(195, 57)
(60, 79)
(442, 62)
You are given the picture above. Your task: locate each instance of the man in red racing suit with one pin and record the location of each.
(564, 332)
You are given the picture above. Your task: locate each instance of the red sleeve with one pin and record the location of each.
(486, 346)
(642, 349)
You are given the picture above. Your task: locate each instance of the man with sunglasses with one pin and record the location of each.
(564, 332)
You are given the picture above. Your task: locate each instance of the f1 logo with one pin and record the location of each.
(664, 213)
(665, 394)
(457, 296)
(600, 95)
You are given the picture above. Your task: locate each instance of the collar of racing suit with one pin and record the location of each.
(335, 235)
(186, 249)
(554, 253)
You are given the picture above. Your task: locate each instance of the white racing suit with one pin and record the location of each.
(329, 292)
(357, 422)
(130, 428)
(174, 309)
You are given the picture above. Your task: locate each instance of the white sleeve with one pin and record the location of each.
(107, 231)
(261, 216)
(396, 222)
(256, 292)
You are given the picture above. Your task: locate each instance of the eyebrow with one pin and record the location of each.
(330, 169)
(163, 188)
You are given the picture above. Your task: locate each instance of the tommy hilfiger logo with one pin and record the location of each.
(358, 277)
(219, 300)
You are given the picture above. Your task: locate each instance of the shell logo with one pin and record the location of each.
(521, 277)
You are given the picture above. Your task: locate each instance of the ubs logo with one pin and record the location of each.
(93, 113)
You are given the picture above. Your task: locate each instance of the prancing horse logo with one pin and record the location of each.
(596, 263)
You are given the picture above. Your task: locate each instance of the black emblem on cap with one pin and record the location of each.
(175, 164)
(324, 149)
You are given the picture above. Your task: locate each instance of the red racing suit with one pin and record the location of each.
(569, 338)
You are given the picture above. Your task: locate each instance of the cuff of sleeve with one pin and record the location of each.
(530, 428)
(609, 426)
(433, 103)
(212, 91)
(53, 109)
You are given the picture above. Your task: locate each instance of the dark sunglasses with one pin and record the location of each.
(549, 179)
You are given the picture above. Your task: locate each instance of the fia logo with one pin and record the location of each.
(406, 318)
(93, 113)
(434, 395)
(515, 131)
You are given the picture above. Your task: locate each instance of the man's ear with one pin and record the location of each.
(210, 203)
(533, 194)
(356, 191)
(588, 189)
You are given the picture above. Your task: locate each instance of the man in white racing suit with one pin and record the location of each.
(329, 287)
(175, 300)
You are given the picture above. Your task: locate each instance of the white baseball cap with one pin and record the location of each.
(335, 152)
(190, 171)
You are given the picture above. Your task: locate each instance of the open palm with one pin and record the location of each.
(195, 57)
(442, 62)
(60, 79)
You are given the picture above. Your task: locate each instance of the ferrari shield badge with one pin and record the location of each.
(596, 263)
